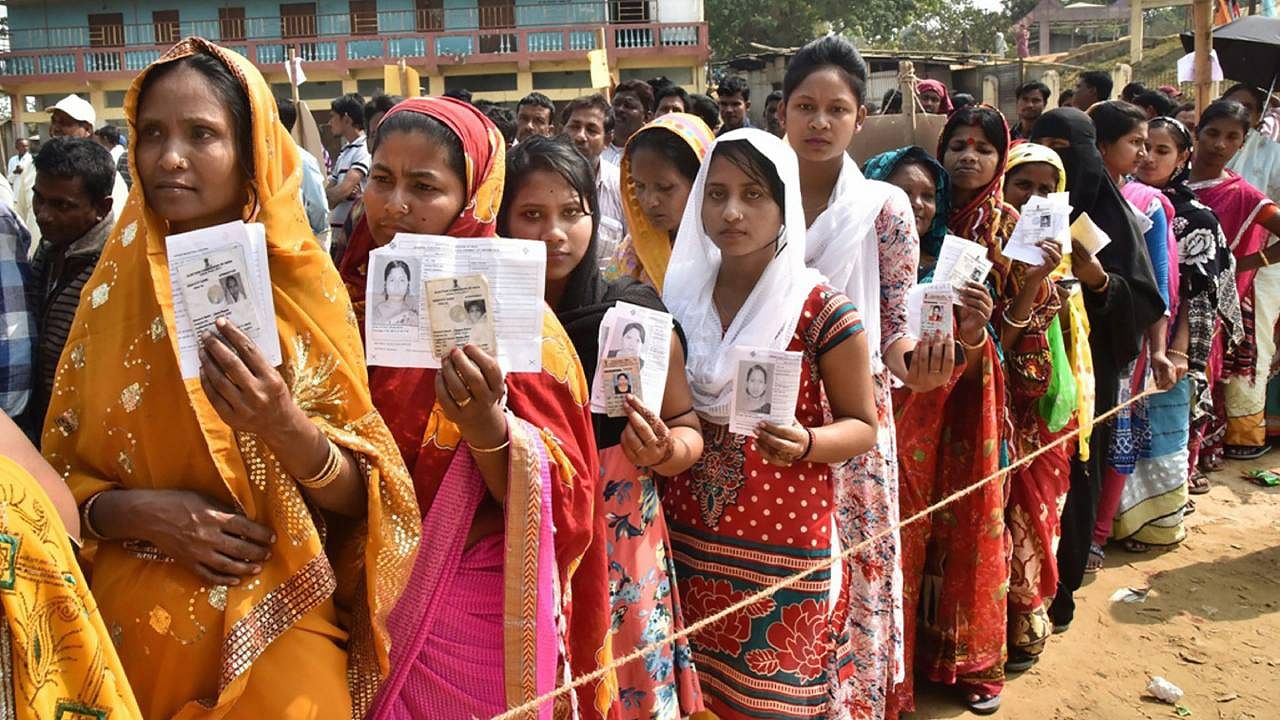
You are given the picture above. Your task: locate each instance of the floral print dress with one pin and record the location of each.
(738, 525)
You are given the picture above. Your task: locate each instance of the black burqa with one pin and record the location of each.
(586, 298)
(1118, 319)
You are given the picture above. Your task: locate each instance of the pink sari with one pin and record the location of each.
(468, 612)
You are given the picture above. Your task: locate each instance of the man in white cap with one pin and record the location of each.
(75, 117)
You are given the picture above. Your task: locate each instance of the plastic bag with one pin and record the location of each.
(1058, 404)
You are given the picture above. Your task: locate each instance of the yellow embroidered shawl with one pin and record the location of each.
(123, 417)
(59, 659)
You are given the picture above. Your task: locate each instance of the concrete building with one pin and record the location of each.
(500, 50)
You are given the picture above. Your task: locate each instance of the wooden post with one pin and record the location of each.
(1135, 30)
(293, 70)
(1202, 19)
(404, 81)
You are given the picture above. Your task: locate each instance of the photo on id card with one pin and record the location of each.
(461, 313)
(621, 377)
(215, 286)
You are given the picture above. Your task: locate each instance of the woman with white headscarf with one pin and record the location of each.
(752, 511)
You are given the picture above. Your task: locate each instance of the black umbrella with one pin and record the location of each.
(1248, 49)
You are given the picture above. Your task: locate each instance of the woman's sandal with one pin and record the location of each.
(1189, 508)
(1096, 558)
(1020, 662)
(980, 704)
(1198, 483)
(1244, 452)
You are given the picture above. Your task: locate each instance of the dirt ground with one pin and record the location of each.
(1209, 625)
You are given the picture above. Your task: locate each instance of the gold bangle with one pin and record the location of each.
(1262, 255)
(976, 346)
(86, 512)
(1106, 283)
(330, 472)
(1179, 353)
(1012, 323)
(486, 451)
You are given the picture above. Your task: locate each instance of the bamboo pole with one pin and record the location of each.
(1203, 10)
(293, 74)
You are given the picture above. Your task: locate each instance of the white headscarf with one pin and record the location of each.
(769, 316)
(843, 245)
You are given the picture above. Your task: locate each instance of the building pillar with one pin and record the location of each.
(1135, 30)
(524, 82)
(1054, 81)
(18, 103)
(349, 85)
(1046, 38)
(1122, 75)
(435, 84)
(98, 99)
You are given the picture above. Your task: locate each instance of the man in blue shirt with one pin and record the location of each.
(313, 200)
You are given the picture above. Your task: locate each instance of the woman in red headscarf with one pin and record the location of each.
(505, 468)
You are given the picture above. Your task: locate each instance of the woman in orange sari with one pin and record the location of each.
(504, 466)
(252, 527)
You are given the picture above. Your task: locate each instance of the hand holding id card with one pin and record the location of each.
(929, 310)
(766, 386)
(621, 377)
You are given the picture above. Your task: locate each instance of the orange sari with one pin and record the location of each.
(307, 637)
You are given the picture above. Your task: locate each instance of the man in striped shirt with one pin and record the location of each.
(73, 206)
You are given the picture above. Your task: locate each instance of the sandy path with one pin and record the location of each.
(1210, 624)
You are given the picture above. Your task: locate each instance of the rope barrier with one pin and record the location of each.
(787, 582)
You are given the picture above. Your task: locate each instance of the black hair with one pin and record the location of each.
(66, 157)
(1259, 97)
(734, 85)
(594, 101)
(763, 371)
(980, 116)
(773, 97)
(962, 100)
(350, 105)
(1159, 103)
(891, 103)
(226, 88)
(1225, 109)
(505, 120)
(633, 326)
(1034, 86)
(759, 168)
(462, 94)
(639, 88)
(670, 146)
(1064, 97)
(831, 51)
(1114, 119)
(1131, 91)
(379, 103)
(556, 155)
(672, 90)
(1099, 81)
(704, 107)
(288, 113)
(110, 133)
(1184, 107)
(435, 130)
(537, 99)
(400, 265)
(658, 83)
(1181, 135)
(477, 304)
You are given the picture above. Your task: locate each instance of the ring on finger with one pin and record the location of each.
(463, 402)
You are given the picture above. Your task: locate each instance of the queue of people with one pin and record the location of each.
(325, 538)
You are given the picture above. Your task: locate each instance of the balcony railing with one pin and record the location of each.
(546, 31)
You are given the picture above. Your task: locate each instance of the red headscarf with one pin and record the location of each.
(936, 87)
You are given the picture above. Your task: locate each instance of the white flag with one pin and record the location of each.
(293, 68)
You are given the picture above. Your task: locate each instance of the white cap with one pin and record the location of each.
(78, 108)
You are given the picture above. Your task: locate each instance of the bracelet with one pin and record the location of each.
(86, 511)
(809, 448)
(1014, 324)
(1262, 255)
(485, 451)
(1179, 353)
(670, 453)
(978, 345)
(330, 472)
(1106, 283)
